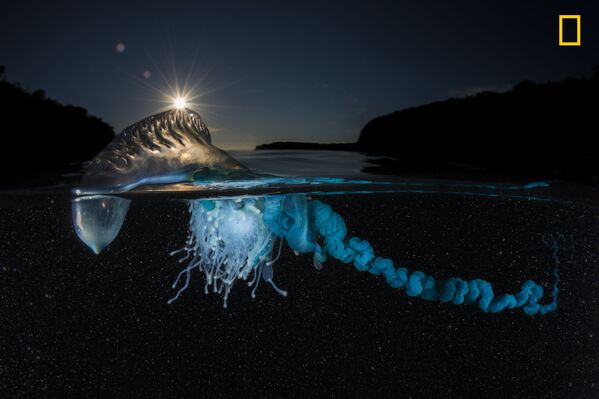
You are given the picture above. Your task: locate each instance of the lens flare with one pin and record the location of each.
(180, 103)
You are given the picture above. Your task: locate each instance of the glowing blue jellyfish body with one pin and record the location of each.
(228, 241)
(236, 239)
(287, 217)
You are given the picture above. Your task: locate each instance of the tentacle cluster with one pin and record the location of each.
(331, 227)
(228, 241)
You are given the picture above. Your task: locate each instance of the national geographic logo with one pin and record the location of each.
(569, 30)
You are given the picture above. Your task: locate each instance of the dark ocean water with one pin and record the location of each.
(76, 324)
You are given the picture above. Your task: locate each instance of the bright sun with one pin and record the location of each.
(180, 103)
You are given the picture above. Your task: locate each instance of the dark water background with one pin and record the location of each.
(75, 324)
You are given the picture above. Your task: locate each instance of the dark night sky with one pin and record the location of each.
(285, 70)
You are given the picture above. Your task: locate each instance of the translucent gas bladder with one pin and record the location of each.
(170, 147)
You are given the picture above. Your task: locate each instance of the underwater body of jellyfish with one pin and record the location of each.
(228, 241)
(234, 239)
(241, 238)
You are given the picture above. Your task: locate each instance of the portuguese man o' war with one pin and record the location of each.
(170, 147)
(241, 238)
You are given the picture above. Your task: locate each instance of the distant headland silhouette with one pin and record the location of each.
(41, 138)
(548, 130)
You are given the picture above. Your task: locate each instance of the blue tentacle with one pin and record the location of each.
(331, 227)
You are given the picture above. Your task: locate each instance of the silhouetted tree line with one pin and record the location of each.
(534, 130)
(41, 138)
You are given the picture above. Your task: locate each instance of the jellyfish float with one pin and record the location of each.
(171, 147)
(241, 238)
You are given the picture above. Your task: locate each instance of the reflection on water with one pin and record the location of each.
(348, 165)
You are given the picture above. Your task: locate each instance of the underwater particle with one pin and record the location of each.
(120, 47)
(147, 74)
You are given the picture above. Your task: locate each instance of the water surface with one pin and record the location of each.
(78, 324)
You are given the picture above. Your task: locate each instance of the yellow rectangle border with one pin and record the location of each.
(561, 30)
